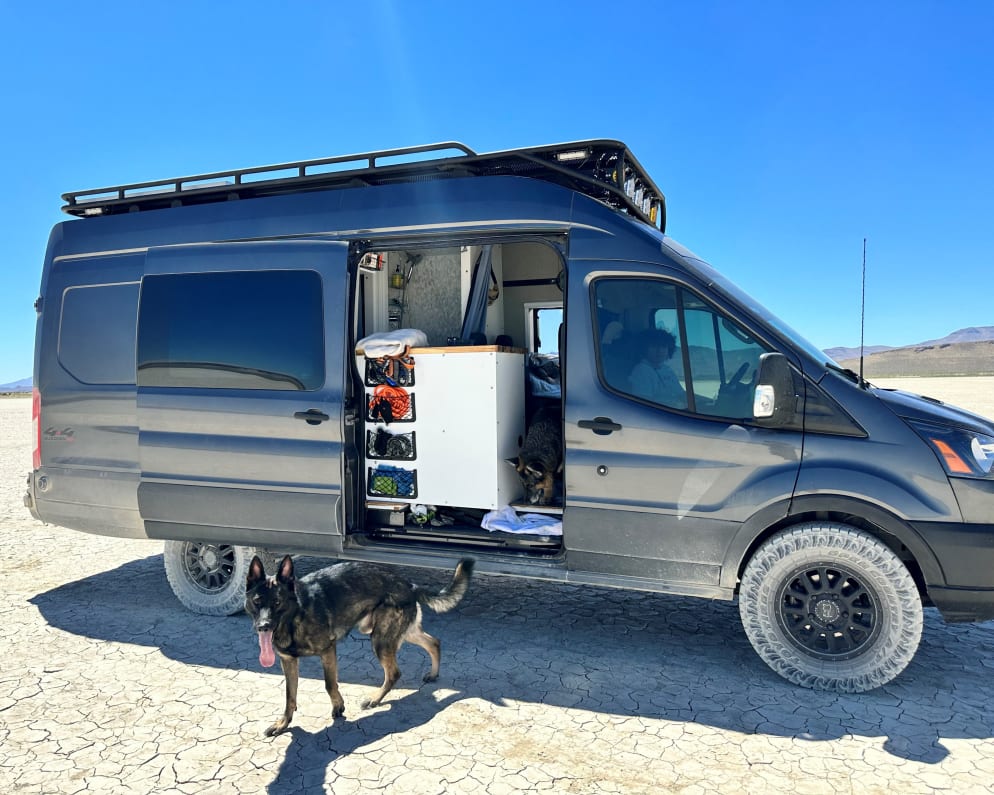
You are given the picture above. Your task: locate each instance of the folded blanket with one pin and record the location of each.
(392, 343)
(507, 520)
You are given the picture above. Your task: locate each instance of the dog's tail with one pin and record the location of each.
(449, 597)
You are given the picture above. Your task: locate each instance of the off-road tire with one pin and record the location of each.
(830, 607)
(208, 578)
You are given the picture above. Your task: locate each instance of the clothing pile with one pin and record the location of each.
(507, 520)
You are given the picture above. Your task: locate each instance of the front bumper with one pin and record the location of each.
(959, 605)
(965, 554)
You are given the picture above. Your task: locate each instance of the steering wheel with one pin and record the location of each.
(735, 390)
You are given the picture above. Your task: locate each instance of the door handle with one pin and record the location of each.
(602, 426)
(311, 416)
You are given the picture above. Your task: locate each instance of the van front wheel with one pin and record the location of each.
(830, 607)
(208, 578)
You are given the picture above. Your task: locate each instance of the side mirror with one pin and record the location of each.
(774, 400)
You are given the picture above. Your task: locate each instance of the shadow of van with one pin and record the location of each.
(615, 652)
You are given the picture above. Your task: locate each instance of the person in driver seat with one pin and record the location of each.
(651, 378)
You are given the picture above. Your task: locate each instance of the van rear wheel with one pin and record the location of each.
(208, 578)
(831, 607)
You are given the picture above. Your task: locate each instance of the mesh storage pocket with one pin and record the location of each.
(387, 481)
(389, 371)
(393, 446)
(390, 404)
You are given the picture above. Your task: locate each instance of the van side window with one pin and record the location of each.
(725, 360)
(639, 352)
(545, 329)
(231, 330)
(661, 343)
(97, 333)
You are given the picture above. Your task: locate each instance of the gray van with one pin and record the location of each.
(338, 357)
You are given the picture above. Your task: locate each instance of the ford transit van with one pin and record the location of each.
(340, 357)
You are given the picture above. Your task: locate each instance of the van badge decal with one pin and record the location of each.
(51, 434)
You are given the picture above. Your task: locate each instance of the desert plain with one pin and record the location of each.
(109, 686)
(974, 393)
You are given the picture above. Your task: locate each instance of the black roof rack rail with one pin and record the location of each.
(603, 169)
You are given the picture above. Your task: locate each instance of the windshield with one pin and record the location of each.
(738, 295)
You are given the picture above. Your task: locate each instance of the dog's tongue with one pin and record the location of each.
(266, 654)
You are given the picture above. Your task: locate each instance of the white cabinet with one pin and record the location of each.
(468, 418)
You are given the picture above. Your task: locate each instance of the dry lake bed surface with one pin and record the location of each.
(107, 685)
(973, 393)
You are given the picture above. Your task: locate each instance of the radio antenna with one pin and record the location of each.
(862, 317)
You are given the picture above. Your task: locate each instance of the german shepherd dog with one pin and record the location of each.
(305, 617)
(540, 460)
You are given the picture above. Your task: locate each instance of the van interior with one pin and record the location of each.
(439, 423)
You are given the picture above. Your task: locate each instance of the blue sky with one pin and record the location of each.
(781, 133)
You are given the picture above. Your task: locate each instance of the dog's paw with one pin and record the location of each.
(338, 712)
(369, 703)
(277, 728)
(429, 677)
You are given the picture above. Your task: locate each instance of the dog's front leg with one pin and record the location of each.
(329, 660)
(291, 670)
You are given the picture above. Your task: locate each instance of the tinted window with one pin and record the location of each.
(232, 330)
(639, 353)
(724, 360)
(97, 333)
(661, 343)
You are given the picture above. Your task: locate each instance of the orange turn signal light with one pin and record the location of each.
(953, 462)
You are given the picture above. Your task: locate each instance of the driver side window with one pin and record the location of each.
(725, 360)
(660, 343)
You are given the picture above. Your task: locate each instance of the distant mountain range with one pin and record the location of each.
(24, 385)
(969, 351)
(972, 334)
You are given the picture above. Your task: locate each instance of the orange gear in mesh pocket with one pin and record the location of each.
(389, 403)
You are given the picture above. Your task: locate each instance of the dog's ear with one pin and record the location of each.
(256, 573)
(285, 574)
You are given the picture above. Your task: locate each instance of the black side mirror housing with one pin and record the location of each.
(774, 403)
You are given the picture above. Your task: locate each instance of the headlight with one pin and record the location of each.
(982, 448)
(964, 453)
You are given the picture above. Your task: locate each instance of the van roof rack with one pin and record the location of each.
(602, 169)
